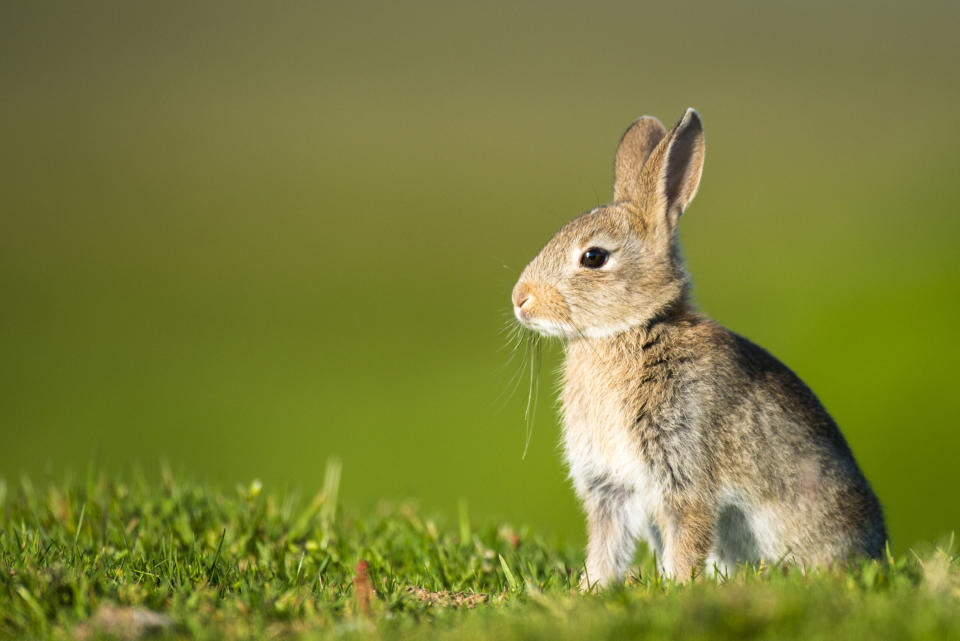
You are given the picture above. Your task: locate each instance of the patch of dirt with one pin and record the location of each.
(128, 624)
(448, 599)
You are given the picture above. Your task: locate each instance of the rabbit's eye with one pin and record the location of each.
(594, 258)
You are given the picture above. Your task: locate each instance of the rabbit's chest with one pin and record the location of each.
(601, 445)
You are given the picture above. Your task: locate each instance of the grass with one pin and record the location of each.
(101, 557)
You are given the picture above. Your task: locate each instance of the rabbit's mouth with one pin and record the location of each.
(543, 326)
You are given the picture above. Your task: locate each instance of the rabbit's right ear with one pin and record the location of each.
(636, 145)
(683, 165)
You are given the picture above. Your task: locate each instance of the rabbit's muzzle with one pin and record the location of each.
(540, 307)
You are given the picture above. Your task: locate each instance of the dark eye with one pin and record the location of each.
(594, 257)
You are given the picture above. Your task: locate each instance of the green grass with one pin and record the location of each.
(254, 563)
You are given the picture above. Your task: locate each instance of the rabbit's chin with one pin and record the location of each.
(568, 332)
(546, 328)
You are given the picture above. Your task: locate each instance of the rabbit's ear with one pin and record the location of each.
(682, 165)
(636, 145)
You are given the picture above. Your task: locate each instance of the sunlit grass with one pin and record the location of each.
(102, 555)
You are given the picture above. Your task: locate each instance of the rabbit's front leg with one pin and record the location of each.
(611, 534)
(688, 539)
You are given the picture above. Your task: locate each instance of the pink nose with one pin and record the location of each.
(521, 294)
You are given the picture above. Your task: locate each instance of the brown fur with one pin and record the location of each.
(676, 429)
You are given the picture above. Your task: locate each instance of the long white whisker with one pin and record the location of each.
(517, 341)
(533, 391)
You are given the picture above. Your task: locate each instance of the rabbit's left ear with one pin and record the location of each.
(682, 165)
(635, 147)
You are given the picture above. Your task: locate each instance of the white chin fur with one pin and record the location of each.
(547, 329)
(556, 330)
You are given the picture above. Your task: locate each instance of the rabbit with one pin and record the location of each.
(675, 429)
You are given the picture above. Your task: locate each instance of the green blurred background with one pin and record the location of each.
(246, 237)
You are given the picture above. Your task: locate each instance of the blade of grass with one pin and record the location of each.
(511, 580)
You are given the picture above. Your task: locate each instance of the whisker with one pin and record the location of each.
(533, 391)
(510, 389)
(515, 339)
(517, 342)
(513, 332)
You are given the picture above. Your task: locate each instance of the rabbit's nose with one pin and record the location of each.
(521, 294)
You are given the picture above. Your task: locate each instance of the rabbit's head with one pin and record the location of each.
(618, 266)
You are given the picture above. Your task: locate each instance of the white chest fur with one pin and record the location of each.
(597, 442)
(603, 455)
